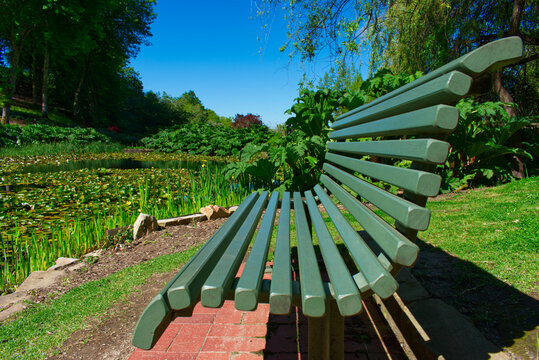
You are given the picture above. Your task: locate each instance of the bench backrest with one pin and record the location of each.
(406, 124)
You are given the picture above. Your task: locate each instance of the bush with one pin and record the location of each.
(206, 139)
(12, 135)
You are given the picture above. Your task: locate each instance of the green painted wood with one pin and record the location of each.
(153, 317)
(393, 243)
(345, 290)
(434, 119)
(185, 288)
(379, 280)
(415, 181)
(406, 212)
(423, 150)
(218, 284)
(280, 299)
(246, 294)
(313, 295)
(477, 62)
(158, 311)
(446, 89)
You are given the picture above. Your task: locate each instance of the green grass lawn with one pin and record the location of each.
(497, 229)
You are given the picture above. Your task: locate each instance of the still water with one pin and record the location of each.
(116, 164)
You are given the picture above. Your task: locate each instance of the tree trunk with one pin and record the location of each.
(45, 86)
(12, 81)
(35, 80)
(502, 92)
(76, 100)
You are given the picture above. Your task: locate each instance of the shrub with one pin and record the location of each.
(206, 139)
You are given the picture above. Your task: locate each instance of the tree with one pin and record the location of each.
(83, 44)
(419, 35)
(17, 21)
(406, 35)
(246, 121)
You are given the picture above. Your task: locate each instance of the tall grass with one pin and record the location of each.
(45, 149)
(22, 254)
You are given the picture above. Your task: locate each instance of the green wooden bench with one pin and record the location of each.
(410, 122)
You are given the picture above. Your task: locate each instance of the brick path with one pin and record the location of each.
(224, 333)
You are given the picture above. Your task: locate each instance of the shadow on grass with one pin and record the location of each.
(500, 312)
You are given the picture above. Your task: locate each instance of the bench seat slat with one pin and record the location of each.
(216, 286)
(380, 281)
(447, 89)
(405, 212)
(494, 54)
(345, 290)
(184, 289)
(434, 119)
(280, 299)
(416, 181)
(246, 294)
(399, 249)
(313, 295)
(422, 150)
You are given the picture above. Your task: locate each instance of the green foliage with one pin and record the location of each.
(206, 139)
(293, 161)
(47, 149)
(481, 145)
(11, 135)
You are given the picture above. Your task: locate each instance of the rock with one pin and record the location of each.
(62, 263)
(39, 279)
(182, 220)
(214, 212)
(96, 253)
(144, 225)
(116, 230)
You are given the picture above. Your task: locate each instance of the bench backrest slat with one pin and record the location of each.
(313, 294)
(344, 289)
(481, 60)
(399, 249)
(434, 119)
(416, 181)
(447, 89)
(219, 282)
(424, 150)
(379, 280)
(405, 212)
(280, 299)
(246, 293)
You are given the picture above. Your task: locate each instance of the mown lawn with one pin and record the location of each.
(497, 229)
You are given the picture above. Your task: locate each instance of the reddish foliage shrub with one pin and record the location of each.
(246, 121)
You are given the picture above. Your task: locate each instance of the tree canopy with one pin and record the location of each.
(412, 35)
(80, 49)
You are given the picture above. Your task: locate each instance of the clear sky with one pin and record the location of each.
(211, 47)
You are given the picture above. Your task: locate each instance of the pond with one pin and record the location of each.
(123, 164)
(62, 206)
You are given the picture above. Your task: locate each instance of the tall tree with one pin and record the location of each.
(17, 21)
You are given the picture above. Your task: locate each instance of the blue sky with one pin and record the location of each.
(211, 47)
